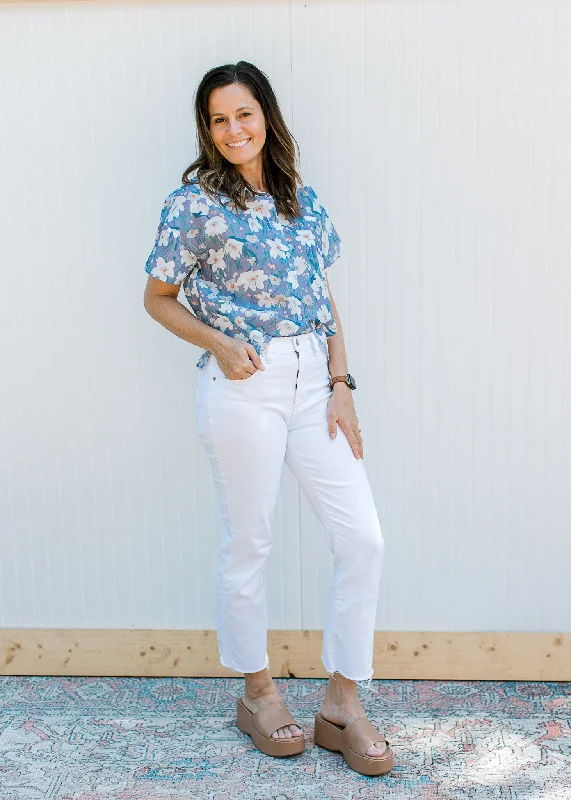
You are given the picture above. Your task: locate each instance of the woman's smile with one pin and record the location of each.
(241, 143)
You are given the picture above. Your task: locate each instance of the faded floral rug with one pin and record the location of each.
(138, 738)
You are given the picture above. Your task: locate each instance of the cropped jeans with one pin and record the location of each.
(249, 428)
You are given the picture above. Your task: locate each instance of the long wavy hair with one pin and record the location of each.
(280, 153)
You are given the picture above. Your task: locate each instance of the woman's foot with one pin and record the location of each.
(260, 691)
(342, 706)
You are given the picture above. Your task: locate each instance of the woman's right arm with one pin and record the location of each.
(161, 303)
(237, 359)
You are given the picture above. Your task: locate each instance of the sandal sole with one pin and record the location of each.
(330, 736)
(269, 746)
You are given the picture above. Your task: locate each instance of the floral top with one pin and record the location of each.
(252, 274)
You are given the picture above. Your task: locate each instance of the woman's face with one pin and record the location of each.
(237, 118)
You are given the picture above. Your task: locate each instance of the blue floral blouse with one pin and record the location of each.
(252, 274)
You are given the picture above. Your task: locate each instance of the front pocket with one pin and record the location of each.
(220, 375)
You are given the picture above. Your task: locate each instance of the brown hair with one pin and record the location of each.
(216, 174)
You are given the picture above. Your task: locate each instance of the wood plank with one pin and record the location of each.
(177, 653)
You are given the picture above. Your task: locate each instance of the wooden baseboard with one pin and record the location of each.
(295, 654)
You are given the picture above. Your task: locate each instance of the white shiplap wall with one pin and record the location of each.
(437, 135)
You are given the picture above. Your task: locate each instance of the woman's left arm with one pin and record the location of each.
(341, 408)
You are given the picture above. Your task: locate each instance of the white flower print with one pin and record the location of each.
(199, 205)
(176, 207)
(319, 285)
(264, 299)
(251, 238)
(256, 336)
(227, 307)
(275, 279)
(300, 264)
(259, 208)
(215, 226)
(324, 242)
(222, 322)
(294, 305)
(163, 269)
(254, 279)
(292, 278)
(306, 237)
(264, 316)
(216, 258)
(277, 248)
(187, 259)
(234, 248)
(287, 327)
(165, 236)
(254, 224)
(323, 313)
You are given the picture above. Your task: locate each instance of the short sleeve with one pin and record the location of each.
(174, 252)
(330, 239)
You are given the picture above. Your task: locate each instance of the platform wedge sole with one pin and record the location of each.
(353, 741)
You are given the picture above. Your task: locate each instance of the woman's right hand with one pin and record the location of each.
(238, 360)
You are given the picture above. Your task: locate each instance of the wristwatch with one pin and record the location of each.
(349, 380)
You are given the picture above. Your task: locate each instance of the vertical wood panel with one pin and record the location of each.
(437, 136)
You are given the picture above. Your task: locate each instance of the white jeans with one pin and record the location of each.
(249, 428)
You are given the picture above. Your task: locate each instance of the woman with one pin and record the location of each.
(250, 243)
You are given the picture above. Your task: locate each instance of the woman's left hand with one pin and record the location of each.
(341, 411)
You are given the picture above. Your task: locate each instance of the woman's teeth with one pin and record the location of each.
(239, 144)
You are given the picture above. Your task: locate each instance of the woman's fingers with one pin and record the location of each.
(351, 430)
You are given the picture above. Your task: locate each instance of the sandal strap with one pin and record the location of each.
(361, 734)
(271, 717)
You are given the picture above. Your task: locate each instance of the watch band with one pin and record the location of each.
(348, 379)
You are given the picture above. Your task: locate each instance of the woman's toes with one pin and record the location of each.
(296, 730)
(375, 751)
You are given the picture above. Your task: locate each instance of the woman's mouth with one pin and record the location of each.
(241, 143)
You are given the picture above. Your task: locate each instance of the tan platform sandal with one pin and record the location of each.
(353, 741)
(261, 724)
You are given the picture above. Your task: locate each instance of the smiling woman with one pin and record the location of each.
(244, 144)
(251, 244)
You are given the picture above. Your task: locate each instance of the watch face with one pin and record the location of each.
(351, 382)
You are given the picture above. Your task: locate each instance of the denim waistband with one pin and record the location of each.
(302, 341)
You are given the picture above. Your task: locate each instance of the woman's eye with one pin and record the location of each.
(245, 114)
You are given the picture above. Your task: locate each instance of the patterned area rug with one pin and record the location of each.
(137, 738)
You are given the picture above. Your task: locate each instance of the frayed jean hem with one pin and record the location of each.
(239, 669)
(366, 683)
